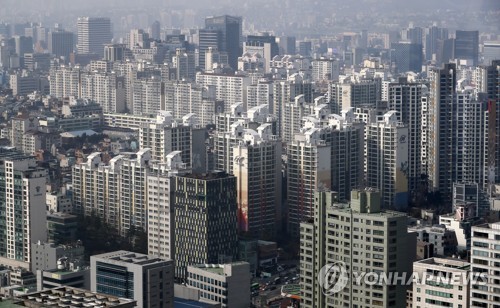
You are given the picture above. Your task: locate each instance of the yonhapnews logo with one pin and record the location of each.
(334, 277)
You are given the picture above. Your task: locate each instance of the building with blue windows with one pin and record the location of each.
(147, 279)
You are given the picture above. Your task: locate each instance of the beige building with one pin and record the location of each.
(485, 256)
(361, 238)
(440, 290)
(228, 284)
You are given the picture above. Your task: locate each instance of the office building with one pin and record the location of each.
(160, 205)
(23, 44)
(308, 169)
(205, 224)
(484, 259)
(46, 255)
(26, 83)
(22, 200)
(230, 33)
(433, 293)
(62, 227)
(257, 167)
(408, 57)
(60, 43)
(467, 46)
(208, 39)
(115, 52)
(286, 45)
(491, 52)
(93, 34)
(433, 35)
(146, 279)
(387, 160)
(305, 48)
(362, 238)
(228, 284)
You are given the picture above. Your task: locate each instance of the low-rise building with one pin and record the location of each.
(440, 290)
(228, 284)
(147, 279)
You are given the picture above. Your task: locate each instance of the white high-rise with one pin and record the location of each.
(308, 169)
(485, 256)
(148, 96)
(165, 135)
(387, 160)
(160, 207)
(115, 192)
(65, 81)
(23, 204)
(93, 34)
(257, 167)
(106, 89)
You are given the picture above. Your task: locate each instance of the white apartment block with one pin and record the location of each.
(257, 167)
(160, 208)
(122, 120)
(308, 169)
(106, 89)
(22, 196)
(148, 96)
(387, 160)
(345, 135)
(183, 97)
(65, 81)
(228, 284)
(116, 192)
(230, 89)
(441, 290)
(325, 69)
(260, 93)
(292, 114)
(166, 135)
(485, 258)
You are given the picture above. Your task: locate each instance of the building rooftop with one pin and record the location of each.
(491, 226)
(450, 263)
(217, 268)
(123, 256)
(70, 297)
(217, 174)
(10, 153)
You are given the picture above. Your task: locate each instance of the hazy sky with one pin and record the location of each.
(278, 15)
